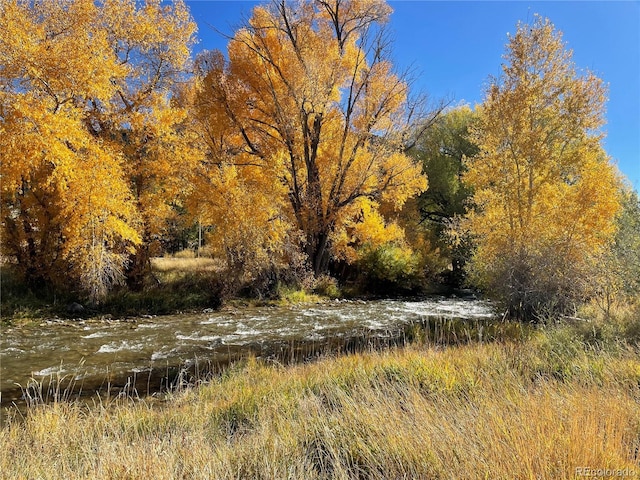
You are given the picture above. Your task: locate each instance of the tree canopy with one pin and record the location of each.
(308, 113)
(300, 148)
(443, 150)
(546, 195)
(88, 137)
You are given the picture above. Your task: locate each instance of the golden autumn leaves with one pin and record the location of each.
(86, 133)
(308, 103)
(294, 144)
(546, 193)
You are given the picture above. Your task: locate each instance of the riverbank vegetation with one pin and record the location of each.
(526, 402)
(294, 162)
(299, 166)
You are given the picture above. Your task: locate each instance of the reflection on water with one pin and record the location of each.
(95, 352)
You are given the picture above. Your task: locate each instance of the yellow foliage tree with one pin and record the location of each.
(250, 231)
(546, 195)
(89, 139)
(308, 112)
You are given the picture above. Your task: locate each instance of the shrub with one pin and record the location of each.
(389, 269)
(326, 286)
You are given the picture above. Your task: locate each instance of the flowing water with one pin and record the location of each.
(149, 352)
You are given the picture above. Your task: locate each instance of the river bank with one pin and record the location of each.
(147, 353)
(174, 286)
(178, 291)
(562, 398)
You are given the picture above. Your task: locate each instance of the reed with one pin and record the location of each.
(544, 406)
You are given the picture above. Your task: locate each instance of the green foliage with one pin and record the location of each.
(442, 151)
(288, 294)
(327, 286)
(172, 291)
(19, 301)
(389, 269)
(626, 245)
(614, 274)
(632, 328)
(193, 291)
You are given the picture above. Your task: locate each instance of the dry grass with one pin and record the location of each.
(536, 409)
(184, 265)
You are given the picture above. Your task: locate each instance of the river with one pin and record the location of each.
(148, 353)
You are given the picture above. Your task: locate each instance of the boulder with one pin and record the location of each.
(75, 308)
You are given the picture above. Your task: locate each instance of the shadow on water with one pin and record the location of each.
(157, 381)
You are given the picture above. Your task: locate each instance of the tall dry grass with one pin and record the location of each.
(541, 408)
(184, 265)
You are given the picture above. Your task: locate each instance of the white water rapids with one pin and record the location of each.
(95, 350)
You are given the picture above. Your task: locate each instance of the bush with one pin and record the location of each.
(389, 269)
(532, 285)
(326, 286)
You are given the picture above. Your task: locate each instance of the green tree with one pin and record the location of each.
(627, 242)
(615, 273)
(442, 150)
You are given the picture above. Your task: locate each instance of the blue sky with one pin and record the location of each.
(454, 46)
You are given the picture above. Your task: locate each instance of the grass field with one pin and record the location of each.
(559, 400)
(182, 265)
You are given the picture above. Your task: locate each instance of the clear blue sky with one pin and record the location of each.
(454, 46)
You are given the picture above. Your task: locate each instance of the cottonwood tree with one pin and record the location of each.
(308, 113)
(89, 139)
(545, 192)
(442, 152)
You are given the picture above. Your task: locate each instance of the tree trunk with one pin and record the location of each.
(318, 252)
(317, 227)
(139, 268)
